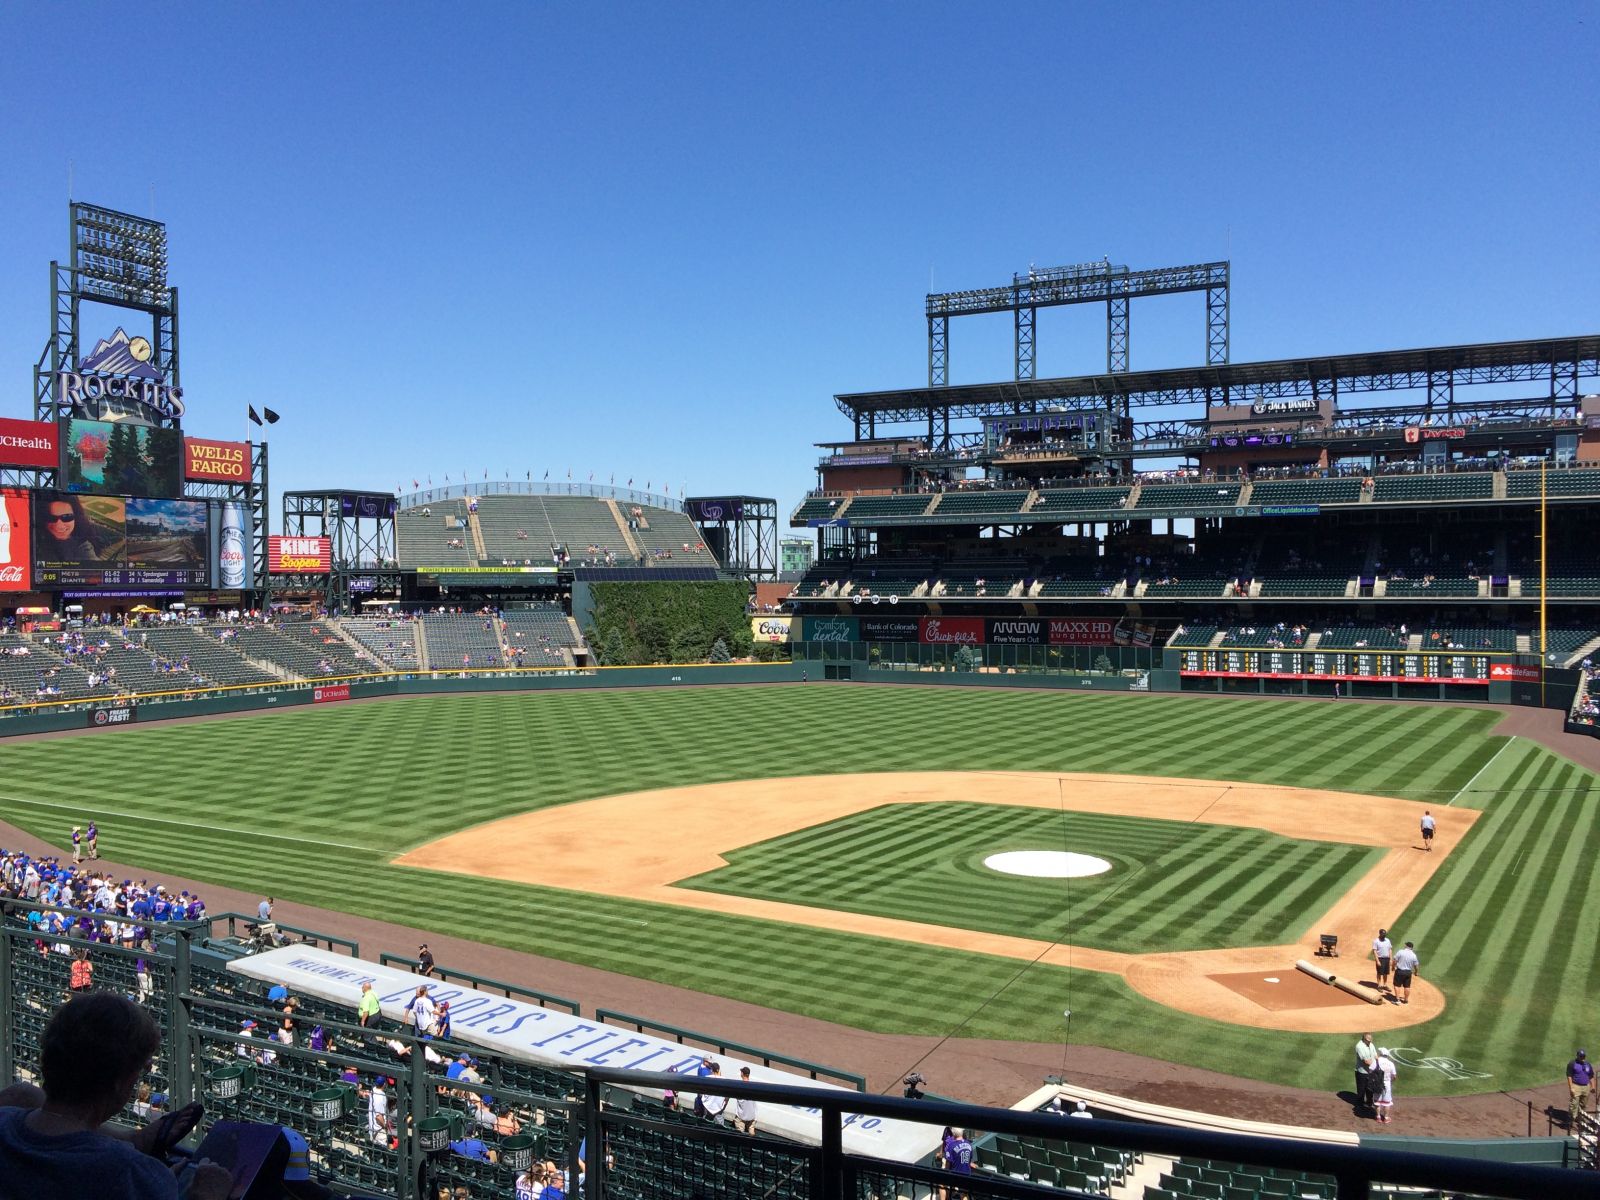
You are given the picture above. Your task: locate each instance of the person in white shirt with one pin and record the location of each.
(1382, 954)
(1406, 964)
(1386, 1068)
(378, 1115)
(744, 1108)
(421, 1009)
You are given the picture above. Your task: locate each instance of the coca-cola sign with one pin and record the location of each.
(952, 631)
(16, 530)
(1082, 631)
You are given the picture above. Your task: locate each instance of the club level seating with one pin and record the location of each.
(1361, 637)
(1566, 641)
(577, 522)
(1068, 499)
(207, 653)
(22, 675)
(1306, 491)
(1436, 585)
(1062, 1164)
(1304, 585)
(1466, 485)
(998, 578)
(975, 503)
(308, 649)
(1469, 638)
(422, 538)
(1252, 636)
(515, 529)
(1189, 495)
(458, 641)
(817, 508)
(1563, 585)
(1212, 585)
(1201, 1179)
(671, 531)
(391, 640)
(542, 634)
(888, 506)
(1193, 635)
(1080, 577)
(1565, 482)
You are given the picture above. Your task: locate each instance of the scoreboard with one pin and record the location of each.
(1370, 666)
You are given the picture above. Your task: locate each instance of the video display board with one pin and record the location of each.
(113, 458)
(119, 541)
(1377, 666)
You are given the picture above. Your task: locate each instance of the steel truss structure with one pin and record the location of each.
(117, 259)
(1558, 364)
(742, 530)
(120, 260)
(1087, 283)
(362, 546)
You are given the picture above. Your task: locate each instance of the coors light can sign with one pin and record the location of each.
(231, 553)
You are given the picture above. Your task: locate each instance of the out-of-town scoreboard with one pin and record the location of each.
(1363, 666)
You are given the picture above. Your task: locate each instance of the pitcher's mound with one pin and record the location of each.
(1286, 989)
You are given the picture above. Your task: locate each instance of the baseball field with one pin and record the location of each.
(821, 850)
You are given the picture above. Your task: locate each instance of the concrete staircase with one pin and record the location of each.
(634, 547)
(476, 530)
(422, 648)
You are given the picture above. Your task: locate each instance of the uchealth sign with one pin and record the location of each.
(526, 1032)
(216, 462)
(28, 444)
(329, 693)
(770, 629)
(952, 631)
(299, 555)
(16, 532)
(1082, 631)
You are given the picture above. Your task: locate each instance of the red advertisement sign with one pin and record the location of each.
(216, 462)
(16, 531)
(299, 555)
(28, 444)
(951, 631)
(1513, 672)
(1082, 631)
(329, 692)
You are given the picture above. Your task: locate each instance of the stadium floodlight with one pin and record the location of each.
(123, 258)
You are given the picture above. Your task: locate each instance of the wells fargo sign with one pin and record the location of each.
(216, 462)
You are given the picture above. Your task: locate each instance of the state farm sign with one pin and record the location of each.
(299, 555)
(1082, 631)
(952, 631)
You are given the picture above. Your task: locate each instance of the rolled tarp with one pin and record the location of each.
(1328, 977)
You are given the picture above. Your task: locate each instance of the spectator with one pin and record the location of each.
(369, 1008)
(744, 1108)
(424, 960)
(93, 1051)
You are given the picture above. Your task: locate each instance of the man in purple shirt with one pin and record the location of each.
(1580, 1085)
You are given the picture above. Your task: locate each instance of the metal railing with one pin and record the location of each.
(711, 1041)
(483, 983)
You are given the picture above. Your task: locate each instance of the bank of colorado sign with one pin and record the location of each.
(299, 555)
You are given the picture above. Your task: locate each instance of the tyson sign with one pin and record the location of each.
(299, 555)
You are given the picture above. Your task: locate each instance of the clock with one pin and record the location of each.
(140, 349)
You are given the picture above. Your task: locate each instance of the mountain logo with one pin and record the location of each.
(120, 355)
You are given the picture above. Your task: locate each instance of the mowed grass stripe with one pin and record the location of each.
(440, 763)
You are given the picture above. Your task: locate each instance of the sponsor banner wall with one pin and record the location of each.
(771, 629)
(830, 629)
(299, 555)
(328, 693)
(117, 714)
(889, 629)
(1513, 672)
(952, 631)
(16, 530)
(216, 462)
(1082, 631)
(1016, 631)
(528, 1033)
(29, 444)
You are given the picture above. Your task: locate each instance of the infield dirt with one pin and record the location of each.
(654, 839)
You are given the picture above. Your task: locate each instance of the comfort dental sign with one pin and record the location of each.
(525, 1031)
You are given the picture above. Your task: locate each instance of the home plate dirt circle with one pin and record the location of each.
(640, 844)
(1047, 864)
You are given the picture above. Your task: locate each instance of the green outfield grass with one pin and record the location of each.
(1173, 885)
(312, 804)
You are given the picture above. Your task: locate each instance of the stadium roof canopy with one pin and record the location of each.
(1559, 362)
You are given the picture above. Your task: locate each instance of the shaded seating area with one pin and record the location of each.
(461, 641)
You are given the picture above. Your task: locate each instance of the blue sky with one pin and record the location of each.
(654, 241)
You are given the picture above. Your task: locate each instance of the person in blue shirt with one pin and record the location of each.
(473, 1147)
